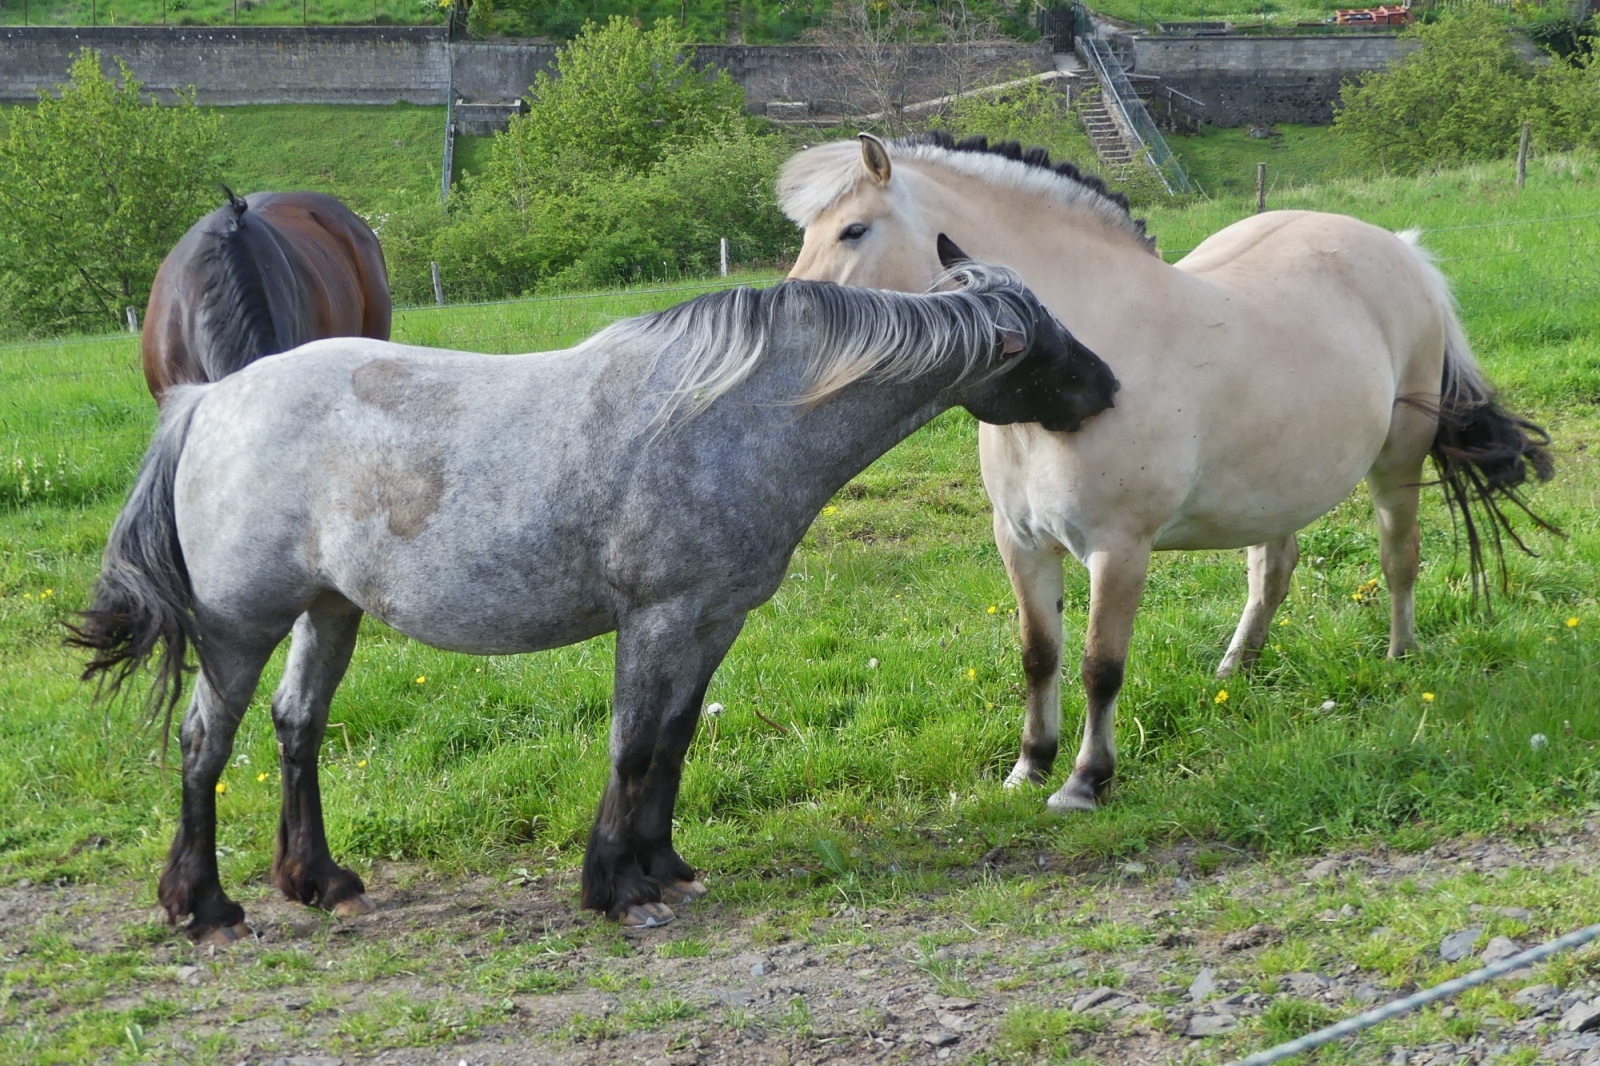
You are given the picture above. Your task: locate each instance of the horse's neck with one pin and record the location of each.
(1077, 262)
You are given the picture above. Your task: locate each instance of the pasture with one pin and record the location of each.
(844, 805)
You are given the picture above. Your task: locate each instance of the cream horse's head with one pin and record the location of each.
(862, 218)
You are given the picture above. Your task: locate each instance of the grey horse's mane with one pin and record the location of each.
(820, 177)
(715, 341)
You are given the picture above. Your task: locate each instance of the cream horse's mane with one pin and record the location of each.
(820, 177)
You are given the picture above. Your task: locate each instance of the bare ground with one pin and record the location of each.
(1030, 961)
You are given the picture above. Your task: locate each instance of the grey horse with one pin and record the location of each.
(654, 480)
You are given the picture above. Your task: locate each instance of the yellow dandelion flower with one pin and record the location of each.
(421, 678)
(1572, 623)
(1222, 696)
(830, 509)
(1356, 596)
(1427, 697)
(49, 592)
(362, 764)
(994, 610)
(262, 776)
(222, 788)
(1283, 621)
(972, 675)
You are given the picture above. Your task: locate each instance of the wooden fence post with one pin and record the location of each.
(1522, 158)
(438, 288)
(723, 248)
(1261, 187)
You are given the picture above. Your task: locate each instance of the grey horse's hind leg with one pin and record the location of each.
(1116, 584)
(663, 666)
(190, 885)
(303, 868)
(1270, 567)
(1036, 579)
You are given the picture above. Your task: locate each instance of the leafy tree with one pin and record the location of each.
(624, 96)
(96, 186)
(1567, 101)
(1461, 96)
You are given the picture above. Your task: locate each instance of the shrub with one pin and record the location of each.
(1461, 96)
(95, 187)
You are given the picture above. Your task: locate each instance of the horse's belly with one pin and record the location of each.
(1219, 519)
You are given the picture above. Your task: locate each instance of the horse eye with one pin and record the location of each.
(853, 232)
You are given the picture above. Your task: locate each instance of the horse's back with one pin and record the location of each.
(343, 255)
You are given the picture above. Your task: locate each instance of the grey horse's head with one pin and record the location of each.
(1046, 376)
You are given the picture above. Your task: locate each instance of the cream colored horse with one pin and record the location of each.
(1281, 362)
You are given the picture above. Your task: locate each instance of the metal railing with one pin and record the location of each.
(1128, 112)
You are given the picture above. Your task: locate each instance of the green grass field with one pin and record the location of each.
(873, 705)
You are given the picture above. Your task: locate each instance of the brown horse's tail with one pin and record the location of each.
(142, 601)
(1483, 452)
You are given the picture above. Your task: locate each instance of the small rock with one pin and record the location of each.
(1093, 998)
(953, 1022)
(754, 965)
(1365, 993)
(1581, 1017)
(1324, 869)
(1458, 946)
(24, 883)
(1379, 932)
(1133, 869)
(959, 1004)
(1306, 985)
(189, 975)
(1501, 947)
(1180, 887)
(312, 1060)
(295, 1004)
(733, 997)
(940, 1039)
(1204, 983)
(1347, 911)
(1209, 1025)
(1540, 998)
(1516, 914)
(1252, 937)
(1399, 1057)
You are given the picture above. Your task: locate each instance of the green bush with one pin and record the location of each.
(631, 165)
(1461, 96)
(1566, 94)
(95, 187)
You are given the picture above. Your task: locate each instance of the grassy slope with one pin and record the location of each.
(509, 753)
(1223, 161)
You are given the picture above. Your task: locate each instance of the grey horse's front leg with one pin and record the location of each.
(1116, 584)
(303, 868)
(664, 664)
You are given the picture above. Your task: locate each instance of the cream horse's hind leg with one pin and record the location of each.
(1116, 584)
(1271, 565)
(1037, 580)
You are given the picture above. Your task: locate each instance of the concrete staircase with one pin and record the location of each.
(1108, 142)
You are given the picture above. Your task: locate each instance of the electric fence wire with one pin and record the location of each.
(1421, 999)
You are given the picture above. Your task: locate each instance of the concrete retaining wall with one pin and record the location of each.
(1248, 80)
(414, 64)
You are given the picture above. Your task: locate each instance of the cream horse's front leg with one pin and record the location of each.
(1116, 584)
(1271, 566)
(1036, 578)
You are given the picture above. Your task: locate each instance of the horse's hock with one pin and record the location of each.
(1241, 80)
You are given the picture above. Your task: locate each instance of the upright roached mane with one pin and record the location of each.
(719, 338)
(816, 180)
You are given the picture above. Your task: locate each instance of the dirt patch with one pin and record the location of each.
(1195, 953)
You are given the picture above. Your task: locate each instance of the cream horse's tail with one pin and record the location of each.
(1483, 452)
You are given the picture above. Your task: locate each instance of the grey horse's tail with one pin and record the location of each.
(142, 601)
(1483, 452)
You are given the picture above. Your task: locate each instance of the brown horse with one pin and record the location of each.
(261, 275)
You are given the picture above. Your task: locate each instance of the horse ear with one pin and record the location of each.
(950, 253)
(875, 155)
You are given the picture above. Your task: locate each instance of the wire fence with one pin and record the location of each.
(75, 415)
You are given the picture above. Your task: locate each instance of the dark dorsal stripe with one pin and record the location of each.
(1037, 158)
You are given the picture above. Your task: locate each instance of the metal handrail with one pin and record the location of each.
(1128, 111)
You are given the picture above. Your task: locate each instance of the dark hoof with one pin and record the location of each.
(675, 892)
(646, 916)
(220, 936)
(354, 907)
